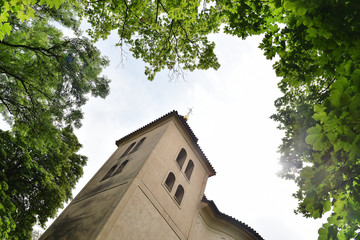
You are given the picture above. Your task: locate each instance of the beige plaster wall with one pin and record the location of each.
(82, 219)
(210, 227)
(86, 215)
(204, 231)
(136, 204)
(160, 163)
(150, 203)
(140, 219)
(137, 159)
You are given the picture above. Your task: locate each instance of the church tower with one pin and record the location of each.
(152, 187)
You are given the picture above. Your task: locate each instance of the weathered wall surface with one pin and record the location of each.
(136, 204)
(161, 162)
(87, 214)
(81, 219)
(204, 231)
(211, 227)
(140, 220)
(148, 191)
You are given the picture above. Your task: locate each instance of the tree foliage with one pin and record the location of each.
(45, 78)
(164, 34)
(316, 44)
(320, 109)
(21, 10)
(35, 184)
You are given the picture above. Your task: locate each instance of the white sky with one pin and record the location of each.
(231, 110)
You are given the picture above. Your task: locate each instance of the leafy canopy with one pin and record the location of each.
(23, 10)
(45, 78)
(164, 34)
(317, 45)
(320, 109)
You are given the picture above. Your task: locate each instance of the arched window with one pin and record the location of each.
(189, 169)
(128, 150)
(119, 170)
(170, 180)
(179, 194)
(108, 174)
(138, 145)
(181, 158)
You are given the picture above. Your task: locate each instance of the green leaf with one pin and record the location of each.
(356, 75)
(30, 13)
(338, 145)
(6, 28)
(323, 60)
(6, 7)
(57, 3)
(333, 219)
(341, 236)
(322, 233)
(335, 98)
(327, 206)
(3, 17)
(22, 16)
(312, 32)
(339, 206)
(301, 11)
(289, 5)
(316, 137)
(316, 214)
(320, 114)
(14, 2)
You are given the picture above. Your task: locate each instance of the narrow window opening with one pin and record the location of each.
(170, 180)
(179, 194)
(181, 158)
(108, 174)
(122, 166)
(138, 145)
(128, 150)
(189, 169)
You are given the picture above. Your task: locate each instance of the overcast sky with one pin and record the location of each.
(231, 110)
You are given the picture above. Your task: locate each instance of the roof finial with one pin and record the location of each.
(188, 114)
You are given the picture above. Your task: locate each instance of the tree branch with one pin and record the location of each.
(42, 50)
(157, 11)
(123, 26)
